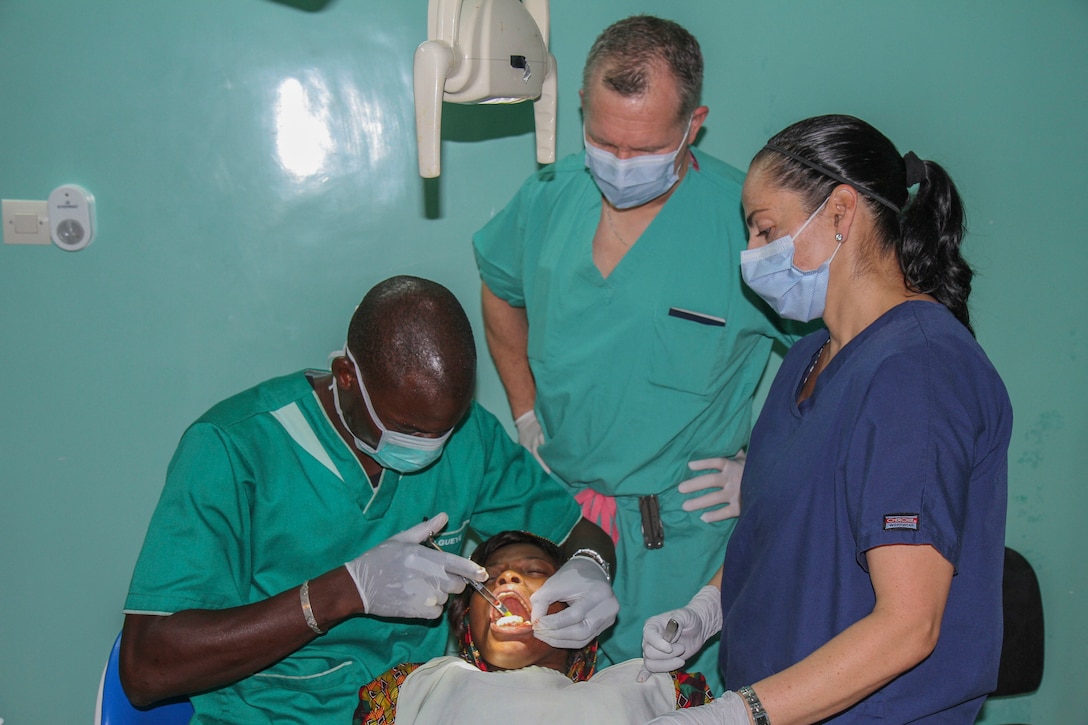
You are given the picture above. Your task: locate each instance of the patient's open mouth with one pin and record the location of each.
(518, 618)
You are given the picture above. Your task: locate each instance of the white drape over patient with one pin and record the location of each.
(449, 691)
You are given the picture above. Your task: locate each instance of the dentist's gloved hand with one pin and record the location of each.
(723, 482)
(592, 606)
(729, 709)
(401, 578)
(531, 435)
(700, 620)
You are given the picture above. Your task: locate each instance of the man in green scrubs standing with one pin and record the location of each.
(615, 313)
(241, 599)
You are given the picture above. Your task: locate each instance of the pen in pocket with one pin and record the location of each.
(699, 317)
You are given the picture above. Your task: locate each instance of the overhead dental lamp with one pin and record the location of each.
(483, 51)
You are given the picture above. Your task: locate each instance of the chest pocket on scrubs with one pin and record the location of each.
(323, 695)
(687, 350)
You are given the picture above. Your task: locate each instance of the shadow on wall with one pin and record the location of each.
(469, 122)
(472, 123)
(309, 6)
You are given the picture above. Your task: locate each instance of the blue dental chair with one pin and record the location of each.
(114, 708)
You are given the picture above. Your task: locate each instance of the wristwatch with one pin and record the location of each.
(591, 554)
(754, 705)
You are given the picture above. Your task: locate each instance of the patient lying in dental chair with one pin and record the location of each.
(505, 675)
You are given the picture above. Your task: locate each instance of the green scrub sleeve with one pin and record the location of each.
(209, 570)
(500, 246)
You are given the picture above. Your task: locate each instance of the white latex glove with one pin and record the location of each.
(531, 435)
(400, 578)
(700, 620)
(723, 482)
(729, 709)
(591, 605)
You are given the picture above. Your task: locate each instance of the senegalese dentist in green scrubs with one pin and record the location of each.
(241, 598)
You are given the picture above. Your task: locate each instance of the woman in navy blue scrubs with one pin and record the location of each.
(863, 581)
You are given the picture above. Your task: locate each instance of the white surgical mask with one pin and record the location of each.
(633, 181)
(401, 452)
(793, 293)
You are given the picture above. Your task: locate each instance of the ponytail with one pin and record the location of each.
(931, 229)
(810, 157)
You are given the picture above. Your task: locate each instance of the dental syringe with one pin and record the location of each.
(483, 591)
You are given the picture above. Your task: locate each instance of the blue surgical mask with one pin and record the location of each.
(792, 293)
(401, 452)
(633, 181)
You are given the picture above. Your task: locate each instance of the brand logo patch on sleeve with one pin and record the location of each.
(901, 521)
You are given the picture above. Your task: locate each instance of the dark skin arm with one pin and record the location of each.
(588, 535)
(200, 649)
(196, 650)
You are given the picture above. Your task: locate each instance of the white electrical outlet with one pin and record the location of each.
(71, 217)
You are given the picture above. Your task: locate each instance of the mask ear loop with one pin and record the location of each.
(838, 236)
(359, 443)
(810, 218)
(392, 436)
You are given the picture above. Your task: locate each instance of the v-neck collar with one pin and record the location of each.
(629, 263)
(374, 500)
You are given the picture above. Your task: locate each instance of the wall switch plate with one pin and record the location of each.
(25, 222)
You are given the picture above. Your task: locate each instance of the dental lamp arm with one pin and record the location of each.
(433, 62)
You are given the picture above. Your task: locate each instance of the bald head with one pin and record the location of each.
(413, 327)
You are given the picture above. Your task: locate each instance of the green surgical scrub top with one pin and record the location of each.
(640, 372)
(263, 494)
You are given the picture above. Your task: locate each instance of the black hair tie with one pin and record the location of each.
(916, 169)
(819, 168)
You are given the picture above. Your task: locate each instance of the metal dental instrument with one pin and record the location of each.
(489, 597)
(672, 631)
(484, 591)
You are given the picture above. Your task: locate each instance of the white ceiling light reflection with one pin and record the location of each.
(374, 130)
(303, 138)
(326, 128)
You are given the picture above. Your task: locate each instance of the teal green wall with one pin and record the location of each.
(216, 266)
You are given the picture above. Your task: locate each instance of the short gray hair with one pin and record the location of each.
(626, 53)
